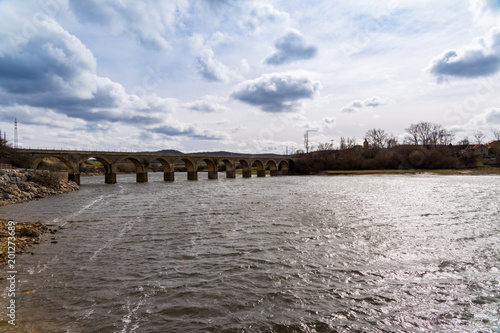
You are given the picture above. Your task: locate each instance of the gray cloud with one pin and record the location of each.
(493, 116)
(277, 92)
(291, 47)
(148, 21)
(480, 60)
(358, 105)
(204, 106)
(189, 131)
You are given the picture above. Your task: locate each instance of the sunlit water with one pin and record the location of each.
(281, 254)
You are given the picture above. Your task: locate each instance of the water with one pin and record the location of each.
(282, 254)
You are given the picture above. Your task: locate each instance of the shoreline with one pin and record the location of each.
(26, 235)
(443, 172)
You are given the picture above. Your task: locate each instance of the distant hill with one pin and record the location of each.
(170, 152)
(213, 153)
(227, 153)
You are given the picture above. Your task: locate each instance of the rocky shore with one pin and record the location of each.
(17, 186)
(26, 235)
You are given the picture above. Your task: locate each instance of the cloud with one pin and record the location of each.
(484, 121)
(148, 21)
(329, 122)
(263, 14)
(50, 80)
(211, 69)
(277, 92)
(205, 106)
(358, 105)
(175, 128)
(481, 59)
(208, 67)
(485, 11)
(291, 47)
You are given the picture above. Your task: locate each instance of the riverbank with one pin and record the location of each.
(18, 186)
(477, 171)
(26, 235)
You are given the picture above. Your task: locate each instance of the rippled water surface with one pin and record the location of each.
(281, 254)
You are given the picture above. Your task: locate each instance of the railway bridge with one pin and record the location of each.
(73, 159)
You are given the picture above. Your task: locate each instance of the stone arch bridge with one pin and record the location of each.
(73, 159)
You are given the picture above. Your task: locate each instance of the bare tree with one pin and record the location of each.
(377, 138)
(426, 133)
(306, 141)
(496, 133)
(325, 146)
(464, 142)
(347, 143)
(479, 136)
(392, 141)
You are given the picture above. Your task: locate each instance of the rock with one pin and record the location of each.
(29, 232)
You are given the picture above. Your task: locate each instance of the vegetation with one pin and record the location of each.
(426, 146)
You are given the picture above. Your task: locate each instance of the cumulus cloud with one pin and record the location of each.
(211, 69)
(49, 78)
(205, 106)
(175, 128)
(263, 14)
(483, 121)
(148, 21)
(208, 67)
(291, 47)
(480, 59)
(358, 105)
(277, 92)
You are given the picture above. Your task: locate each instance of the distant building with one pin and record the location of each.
(494, 147)
(477, 150)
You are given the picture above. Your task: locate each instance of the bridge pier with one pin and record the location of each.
(247, 173)
(274, 173)
(74, 178)
(213, 175)
(110, 178)
(169, 176)
(261, 173)
(192, 175)
(142, 177)
(231, 174)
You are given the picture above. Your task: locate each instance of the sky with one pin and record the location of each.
(246, 76)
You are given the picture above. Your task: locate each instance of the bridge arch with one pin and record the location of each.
(141, 168)
(230, 168)
(261, 169)
(191, 166)
(105, 162)
(211, 166)
(168, 169)
(36, 163)
(246, 167)
(273, 168)
(283, 167)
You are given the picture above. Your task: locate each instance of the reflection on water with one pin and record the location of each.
(284, 254)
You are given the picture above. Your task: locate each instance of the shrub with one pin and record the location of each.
(45, 178)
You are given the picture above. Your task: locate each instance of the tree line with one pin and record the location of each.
(423, 134)
(425, 146)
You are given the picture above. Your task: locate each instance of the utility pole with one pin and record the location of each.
(16, 138)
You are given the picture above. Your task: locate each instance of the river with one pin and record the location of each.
(387, 253)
